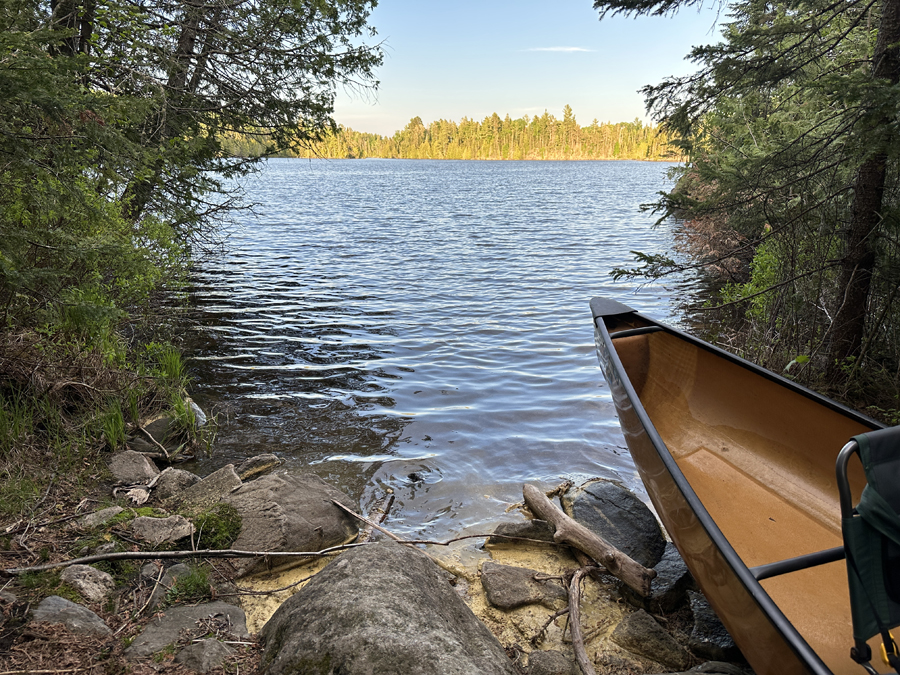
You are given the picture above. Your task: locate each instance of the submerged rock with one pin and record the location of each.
(617, 515)
(380, 609)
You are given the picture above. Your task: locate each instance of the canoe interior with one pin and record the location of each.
(761, 458)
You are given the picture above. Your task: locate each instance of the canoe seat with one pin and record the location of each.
(871, 534)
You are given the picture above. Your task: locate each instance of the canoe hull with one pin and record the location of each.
(766, 637)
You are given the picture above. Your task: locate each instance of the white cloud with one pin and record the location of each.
(558, 49)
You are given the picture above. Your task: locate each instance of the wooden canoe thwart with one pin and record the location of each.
(740, 465)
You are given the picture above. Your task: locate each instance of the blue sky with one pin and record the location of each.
(475, 57)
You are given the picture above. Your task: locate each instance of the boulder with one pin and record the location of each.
(168, 629)
(509, 587)
(669, 588)
(76, 618)
(380, 609)
(161, 530)
(172, 483)
(211, 490)
(166, 582)
(132, 468)
(640, 634)
(288, 512)
(709, 638)
(92, 584)
(530, 529)
(204, 656)
(257, 466)
(617, 515)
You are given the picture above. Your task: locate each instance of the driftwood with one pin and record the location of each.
(635, 575)
(581, 656)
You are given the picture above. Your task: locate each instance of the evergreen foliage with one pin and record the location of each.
(539, 137)
(791, 189)
(112, 176)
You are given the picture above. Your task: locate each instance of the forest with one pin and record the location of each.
(788, 202)
(539, 137)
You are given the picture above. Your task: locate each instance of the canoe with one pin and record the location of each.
(739, 464)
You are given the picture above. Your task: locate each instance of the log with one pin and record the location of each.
(635, 575)
(581, 655)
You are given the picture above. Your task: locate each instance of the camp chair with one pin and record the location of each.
(872, 543)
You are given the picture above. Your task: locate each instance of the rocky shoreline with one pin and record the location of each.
(500, 604)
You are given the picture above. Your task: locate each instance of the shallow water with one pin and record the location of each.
(423, 326)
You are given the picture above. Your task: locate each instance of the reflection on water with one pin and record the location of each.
(424, 326)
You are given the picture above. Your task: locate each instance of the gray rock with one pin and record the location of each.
(160, 590)
(200, 418)
(640, 634)
(204, 656)
(76, 618)
(530, 529)
(167, 629)
(257, 466)
(100, 517)
(288, 513)
(173, 482)
(160, 530)
(509, 587)
(8, 598)
(617, 515)
(551, 662)
(92, 584)
(132, 468)
(709, 638)
(380, 609)
(669, 589)
(211, 490)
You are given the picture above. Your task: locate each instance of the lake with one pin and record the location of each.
(423, 327)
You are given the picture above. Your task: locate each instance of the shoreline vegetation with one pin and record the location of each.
(542, 137)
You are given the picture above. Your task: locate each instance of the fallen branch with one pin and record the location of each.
(635, 575)
(581, 656)
(156, 555)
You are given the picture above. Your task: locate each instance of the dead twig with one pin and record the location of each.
(581, 656)
(553, 617)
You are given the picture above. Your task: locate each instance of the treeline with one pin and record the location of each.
(539, 137)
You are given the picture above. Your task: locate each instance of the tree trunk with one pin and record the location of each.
(858, 262)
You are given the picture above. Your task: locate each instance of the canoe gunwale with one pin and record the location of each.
(791, 637)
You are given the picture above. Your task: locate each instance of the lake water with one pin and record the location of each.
(423, 327)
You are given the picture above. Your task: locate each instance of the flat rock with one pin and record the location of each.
(204, 656)
(132, 468)
(509, 587)
(380, 609)
(530, 529)
(288, 512)
(161, 530)
(98, 518)
(167, 629)
(551, 662)
(669, 589)
(211, 490)
(640, 634)
(76, 618)
(617, 515)
(173, 482)
(709, 638)
(257, 466)
(92, 584)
